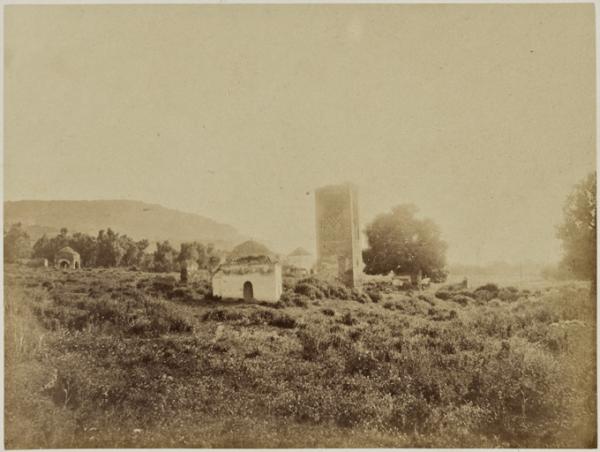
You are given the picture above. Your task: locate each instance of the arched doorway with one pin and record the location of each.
(248, 291)
(64, 264)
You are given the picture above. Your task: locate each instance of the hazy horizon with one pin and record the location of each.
(524, 261)
(483, 116)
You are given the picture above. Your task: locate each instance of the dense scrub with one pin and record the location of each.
(111, 358)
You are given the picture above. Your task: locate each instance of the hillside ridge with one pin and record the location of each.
(137, 219)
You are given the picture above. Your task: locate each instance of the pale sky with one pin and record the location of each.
(481, 115)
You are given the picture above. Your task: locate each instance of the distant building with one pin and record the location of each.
(67, 258)
(300, 258)
(339, 254)
(248, 278)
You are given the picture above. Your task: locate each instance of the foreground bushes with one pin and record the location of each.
(258, 317)
(319, 289)
(422, 372)
(485, 293)
(138, 314)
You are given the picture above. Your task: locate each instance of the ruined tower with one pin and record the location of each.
(338, 234)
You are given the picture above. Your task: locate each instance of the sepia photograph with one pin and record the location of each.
(299, 225)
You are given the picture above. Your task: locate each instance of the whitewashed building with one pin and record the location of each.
(67, 258)
(248, 278)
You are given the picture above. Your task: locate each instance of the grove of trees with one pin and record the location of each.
(401, 243)
(108, 249)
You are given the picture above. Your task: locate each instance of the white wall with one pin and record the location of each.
(266, 287)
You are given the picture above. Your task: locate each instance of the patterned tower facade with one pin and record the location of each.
(339, 253)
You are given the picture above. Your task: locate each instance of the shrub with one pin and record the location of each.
(484, 295)
(347, 319)
(261, 317)
(360, 296)
(410, 412)
(339, 291)
(427, 298)
(486, 292)
(461, 300)
(202, 287)
(384, 287)
(443, 294)
(282, 321)
(293, 299)
(358, 361)
(222, 315)
(164, 284)
(310, 291)
(286, 298)
(300, 300)
(160, 320)
(354, 335)
(466, 293)
(319, 283)
(328, 312)
(182, 293)
(48, 285)
(313, 345)
(375, 295)
(438, 315)
(54, 317)
(490, 287)
(320, 288)
(508, 294)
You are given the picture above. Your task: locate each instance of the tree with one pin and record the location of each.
(17, 244)
(401, 243)
(47, 248)
(86, 246)
(133, 251)
(578, 231)
(110, 250)
(190, 251)
(41, 248)
(205, 256)
(164, 257)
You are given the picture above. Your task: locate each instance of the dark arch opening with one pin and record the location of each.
(248, 291)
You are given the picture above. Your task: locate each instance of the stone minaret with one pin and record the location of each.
(338, 233)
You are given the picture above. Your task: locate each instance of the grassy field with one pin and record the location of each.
(117, 358)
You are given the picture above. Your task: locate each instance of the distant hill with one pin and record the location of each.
(134, 218)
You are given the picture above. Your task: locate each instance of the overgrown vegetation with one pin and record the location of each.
(116, 358)
(108, 249)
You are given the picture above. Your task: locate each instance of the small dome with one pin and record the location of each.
(68, 250)
(250, 248)
(299, 252)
